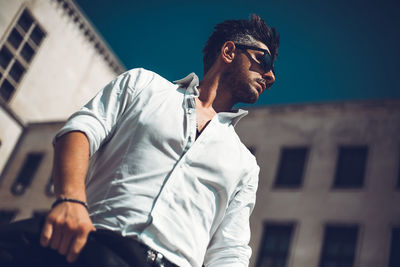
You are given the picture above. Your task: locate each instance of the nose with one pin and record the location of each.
(269, 78)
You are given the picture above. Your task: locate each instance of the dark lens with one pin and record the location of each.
(267, 62)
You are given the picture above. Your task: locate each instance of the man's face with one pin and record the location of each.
(246, 76)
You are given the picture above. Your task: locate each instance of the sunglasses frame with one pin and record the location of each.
(267, 67)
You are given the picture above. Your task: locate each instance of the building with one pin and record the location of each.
(330, 172)
(52, 61)
(329, 188)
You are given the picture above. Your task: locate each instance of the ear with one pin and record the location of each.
(228, 52)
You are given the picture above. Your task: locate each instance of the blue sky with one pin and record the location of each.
(330, 50)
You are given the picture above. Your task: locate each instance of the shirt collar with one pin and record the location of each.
(234, 115)
(191, 81)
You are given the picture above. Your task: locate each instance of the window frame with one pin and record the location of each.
(279, 181)
(20, 177)
(6, 78)
(392, 253)
(339, 182)
(323, 257)
(397, 186)
(287, 254)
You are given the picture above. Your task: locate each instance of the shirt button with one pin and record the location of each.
(190, 111)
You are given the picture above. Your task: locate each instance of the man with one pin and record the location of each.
(163, 164)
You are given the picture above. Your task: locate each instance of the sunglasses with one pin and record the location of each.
(266, 62)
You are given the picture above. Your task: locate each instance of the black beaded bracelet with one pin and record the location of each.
(66, 199)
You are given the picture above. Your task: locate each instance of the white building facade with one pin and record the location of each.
(52, 61)
(329, 190)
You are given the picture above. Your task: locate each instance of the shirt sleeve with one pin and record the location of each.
(100, 115)
(229, 244)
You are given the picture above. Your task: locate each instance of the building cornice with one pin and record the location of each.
(366, 103)
(79, 18)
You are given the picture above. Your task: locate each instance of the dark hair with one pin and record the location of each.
(240, 31)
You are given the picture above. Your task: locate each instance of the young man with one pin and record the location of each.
(160, 164)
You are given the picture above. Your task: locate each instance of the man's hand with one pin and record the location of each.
(66, 229)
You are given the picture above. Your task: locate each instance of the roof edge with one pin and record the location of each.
(81, 20)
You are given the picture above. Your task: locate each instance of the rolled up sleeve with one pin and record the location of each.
(229, 244)
(100, 115)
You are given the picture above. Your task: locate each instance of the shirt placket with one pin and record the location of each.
(190, 112)
(190, 116)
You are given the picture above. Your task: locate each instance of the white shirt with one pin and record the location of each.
(150, 178)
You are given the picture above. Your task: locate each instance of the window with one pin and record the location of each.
(17, 52)
(291, 167)
(339, 246)
(394, 260)
(275, 245)
(27, 173)
(398, 175)
(6, 216)
(350, 167)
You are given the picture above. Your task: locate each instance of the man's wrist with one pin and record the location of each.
(60, 200)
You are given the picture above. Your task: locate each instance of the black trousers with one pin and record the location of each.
(20, 247)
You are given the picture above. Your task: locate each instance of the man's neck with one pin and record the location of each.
(213, 95)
